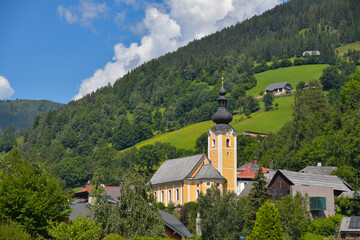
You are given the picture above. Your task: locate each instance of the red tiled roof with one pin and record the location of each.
(249, 170)
(87, 188)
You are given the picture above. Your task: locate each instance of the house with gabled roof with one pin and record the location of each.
(320, 189)
(181, 180)
(277, 89)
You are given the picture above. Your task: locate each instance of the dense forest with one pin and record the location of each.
(180, 88)
(20, 113)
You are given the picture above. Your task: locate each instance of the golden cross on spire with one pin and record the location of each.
(222, 77)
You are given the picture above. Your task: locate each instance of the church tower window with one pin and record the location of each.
(213, 143)
(228, 143)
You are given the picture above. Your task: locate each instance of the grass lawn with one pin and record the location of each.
(260, 121)
(292, 75)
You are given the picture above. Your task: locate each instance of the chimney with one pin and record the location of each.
(319, 164)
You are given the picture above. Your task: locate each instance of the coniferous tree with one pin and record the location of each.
(267, 225)
(258, 195)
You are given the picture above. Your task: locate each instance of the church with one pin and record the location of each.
(182, 180)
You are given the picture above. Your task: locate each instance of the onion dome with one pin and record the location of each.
(222, 115)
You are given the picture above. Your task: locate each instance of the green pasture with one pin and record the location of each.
(292, 75)
(260, 121)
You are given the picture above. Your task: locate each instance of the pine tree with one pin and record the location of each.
(267, 225)
(256, 198)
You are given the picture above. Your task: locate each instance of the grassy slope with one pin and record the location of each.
(292, 75)
(260, 121)
(345, 48)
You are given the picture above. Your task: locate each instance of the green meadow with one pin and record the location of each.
(260, 121)
(292, 75)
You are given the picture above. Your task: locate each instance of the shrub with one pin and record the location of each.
(12, 231)
(113, 236)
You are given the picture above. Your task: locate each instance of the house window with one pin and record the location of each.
(228, 144)
(155, 195)
(213, 143)
(162, 196)
(169, 196)
(197, 193)
(177, 194)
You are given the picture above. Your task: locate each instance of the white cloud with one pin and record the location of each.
(84, 13)
(5, 89)
(184, 21)
(162, 38)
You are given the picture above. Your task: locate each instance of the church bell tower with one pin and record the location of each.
(222, 145)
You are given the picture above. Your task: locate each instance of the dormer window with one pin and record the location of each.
(213, 143)
(228, 143)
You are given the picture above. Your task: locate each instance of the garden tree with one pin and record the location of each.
(8, 140)
(300, 85)
(188, 214)
(136, 213)
(268, 101)
(257, 197)
(349, 206)
(82, 229)
(294, 215)
(267, 225)
(221, 215)
(325, 226)
(30, 195)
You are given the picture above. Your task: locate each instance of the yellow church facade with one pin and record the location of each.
(181, 180)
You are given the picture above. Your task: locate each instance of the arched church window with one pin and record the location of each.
(228, 143)
(213, 143)
(169, 195)
(197, 193)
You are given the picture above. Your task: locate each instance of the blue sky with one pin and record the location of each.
(62, 50)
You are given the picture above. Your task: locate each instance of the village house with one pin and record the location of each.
(247, 173)
(278, 89)
(181, 180)
(320, 189)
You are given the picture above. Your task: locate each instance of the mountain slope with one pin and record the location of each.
(20, 113)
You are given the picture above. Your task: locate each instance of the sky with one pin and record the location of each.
(61, 50)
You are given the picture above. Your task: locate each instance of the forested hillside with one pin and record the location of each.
(20, 113)
(180, 88)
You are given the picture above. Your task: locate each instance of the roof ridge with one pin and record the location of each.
(184, 157)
